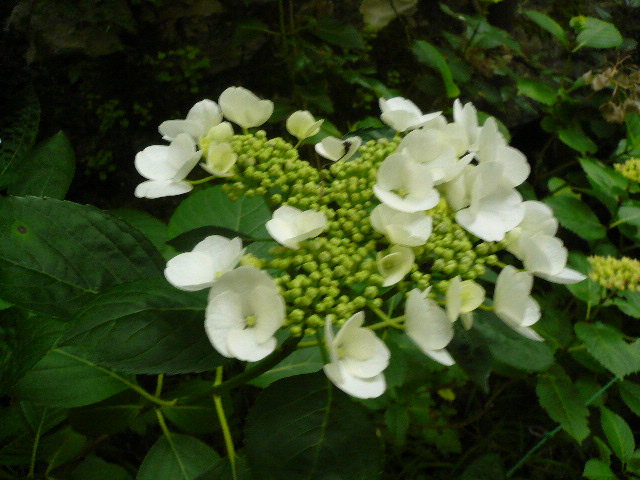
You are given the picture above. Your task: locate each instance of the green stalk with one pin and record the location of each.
(228, 439)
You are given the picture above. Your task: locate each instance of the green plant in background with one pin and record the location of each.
(183, 68)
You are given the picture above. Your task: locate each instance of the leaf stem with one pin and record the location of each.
(387, 321)
(36, 442)
(553, 432)
(167, 434)
(112, 374)
(228, 439)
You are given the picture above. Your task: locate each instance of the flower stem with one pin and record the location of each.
(387, 321)
(228, 439)
(36, 442)
(202, 180)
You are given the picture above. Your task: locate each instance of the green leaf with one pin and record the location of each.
(147, 327)
(630, 393)
(595, 33)
(95, 468)
(429, 55)
(549, 24)
(336, 32)
(576, 216)
(178, 457)
(212, 207)
(154, 229)
(306, 360)
(509, 347)
(629, 303)
(24, 340)
(112, 415)
(62, 446)
(186, 241)
(539, 91)
(486, 467)
(588, 291)
(619, 435)
(559, 396)
(64, 378)
(629, 214)
(195, 416)
(596, 469)
(56, 255)
(608, 184)
(48, 169)
(303, 428)
(18, 130)
(397, 420)
(574, 137)
(606, 344)
(632, 122)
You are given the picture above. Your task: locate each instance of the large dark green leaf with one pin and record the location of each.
(24, 339)
(48, 169)
(18, 130)
(303, 428)
(560, 397)
(146, 326)
(177, 457)
(65, 378)
(487, 467)
(55, 255)
(595, 33)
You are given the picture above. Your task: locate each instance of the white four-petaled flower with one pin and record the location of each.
(245, 310)
(289, 225)
(166, 167)
(203, 116)
(334, 149)
(402, 114)
(358, 358)
(513, 303)
(400, 228)
(301, 125)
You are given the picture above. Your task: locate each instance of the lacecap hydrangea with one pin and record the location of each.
(423, 214)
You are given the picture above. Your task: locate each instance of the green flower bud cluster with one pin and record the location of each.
(630, 169)
(271, 168)
(615, 273)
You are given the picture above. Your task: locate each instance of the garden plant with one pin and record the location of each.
(401, 282)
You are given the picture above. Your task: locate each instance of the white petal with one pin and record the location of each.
(190, 271)
(243, 345)
(301, 124)
(223, 313)
(355, 386)
(441, 356)
(161, 188)
(244, 108)
(395, 265)
(426, 323)
(170, 129)
(566, 276)
(269, 308)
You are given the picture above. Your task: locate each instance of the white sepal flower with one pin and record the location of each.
(467, 117)
(244, 312)
(463, 297)
(220, 159)
(301, 125)
(379, 13)
(201, 118)
(538, 218)
(492, 147)
(395, 265)
(513, 303)
(494, 209)
(433, 148)
(244, 108)
(402, 114)
(209, 259)
(166, 167)
(358, 358)
(334, 149)
(428, 326)
(546, 257)
(400, 228)
(405, 185)
(289, 226)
